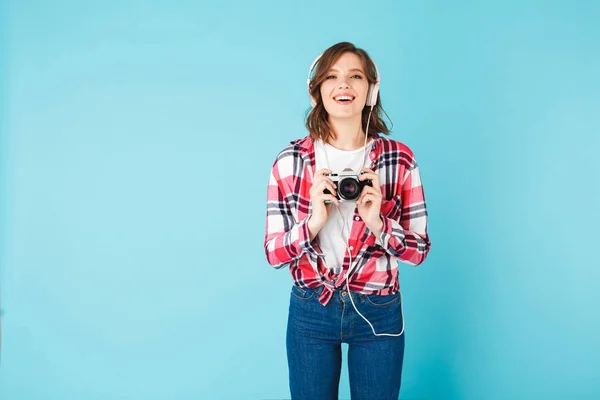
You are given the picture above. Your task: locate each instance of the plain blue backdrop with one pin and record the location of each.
(136, 145)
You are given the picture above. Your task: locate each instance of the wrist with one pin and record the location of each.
(376, 227)
(314, 227)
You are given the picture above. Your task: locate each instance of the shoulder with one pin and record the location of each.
(394, 149)
(292, 154)
(295, 149)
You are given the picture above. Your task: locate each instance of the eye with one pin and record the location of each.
(358, 76)
(330, 76)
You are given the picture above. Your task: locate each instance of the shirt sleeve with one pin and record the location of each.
(286, 240)
(406, 237)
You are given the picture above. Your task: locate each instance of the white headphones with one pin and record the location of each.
(371, 96)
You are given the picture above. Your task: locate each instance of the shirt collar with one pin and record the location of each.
(306, 149)
(306, 146)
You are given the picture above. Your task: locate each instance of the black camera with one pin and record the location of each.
(348, 185)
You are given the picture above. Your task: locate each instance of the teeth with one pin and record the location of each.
(344, 98)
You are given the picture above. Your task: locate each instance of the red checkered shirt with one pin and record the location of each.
(374, 267)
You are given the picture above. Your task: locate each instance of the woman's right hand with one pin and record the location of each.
(320, 210)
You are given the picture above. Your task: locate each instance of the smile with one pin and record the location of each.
(344, 100)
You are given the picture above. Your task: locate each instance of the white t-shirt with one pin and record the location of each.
(335, 232)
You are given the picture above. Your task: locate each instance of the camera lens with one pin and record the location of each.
(348, 188)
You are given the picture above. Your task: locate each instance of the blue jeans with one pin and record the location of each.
(314, 351)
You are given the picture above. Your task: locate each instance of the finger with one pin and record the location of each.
(361, 199)
(320, 186)
(373, 178)
(322, 171)
(368, 198)
(372, 190)
(328, 197)
(369, 175)
(328, 180)
(374, 196)
(322, 178)
(368, 171)
(327, 185)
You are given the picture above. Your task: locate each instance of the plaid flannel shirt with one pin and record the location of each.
(374, 267)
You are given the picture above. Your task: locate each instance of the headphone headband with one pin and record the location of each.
(373, 87)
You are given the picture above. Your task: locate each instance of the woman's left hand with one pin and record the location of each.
(369, 201)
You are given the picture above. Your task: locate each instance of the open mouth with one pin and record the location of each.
(345, 100)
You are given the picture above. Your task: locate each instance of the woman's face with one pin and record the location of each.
(344, 91)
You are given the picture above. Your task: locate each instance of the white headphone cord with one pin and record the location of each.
(350, 294)
(350, 253)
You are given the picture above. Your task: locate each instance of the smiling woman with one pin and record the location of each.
(344, 62)
(344, 263)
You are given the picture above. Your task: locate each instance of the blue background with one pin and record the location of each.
(136, 145)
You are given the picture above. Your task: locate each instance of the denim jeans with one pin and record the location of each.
(314, 351)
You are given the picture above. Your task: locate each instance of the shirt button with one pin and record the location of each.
(351, 248)
(357, 218)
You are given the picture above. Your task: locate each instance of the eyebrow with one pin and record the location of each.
(353, 69)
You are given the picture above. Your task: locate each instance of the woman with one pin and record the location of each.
(342, 221)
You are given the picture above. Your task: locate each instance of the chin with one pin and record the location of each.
(345, 115)
(336, 113)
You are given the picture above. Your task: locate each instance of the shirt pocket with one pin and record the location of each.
(301, 293)
(385, 300)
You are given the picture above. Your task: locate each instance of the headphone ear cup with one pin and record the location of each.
(313, 102)
(372, 96)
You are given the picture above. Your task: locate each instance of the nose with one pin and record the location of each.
(343, 84)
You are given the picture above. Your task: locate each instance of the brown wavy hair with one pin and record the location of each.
(317, 118)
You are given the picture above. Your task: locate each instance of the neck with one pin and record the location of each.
(348, 133)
